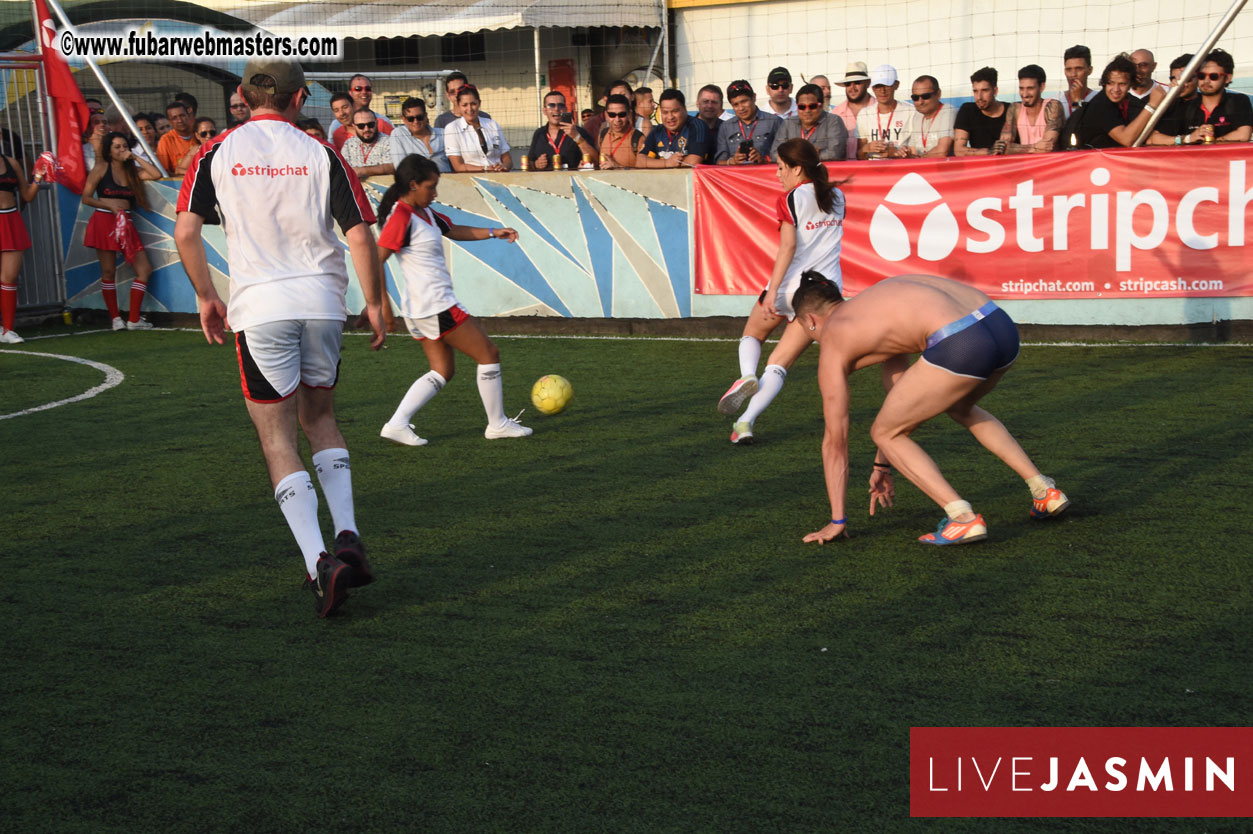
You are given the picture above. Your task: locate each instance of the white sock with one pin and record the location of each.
(958, 508)
(335, 476)
(1040, 485)
(750, 355)
(492, 392)
(419, 394)
(767, 389)
(298, 500)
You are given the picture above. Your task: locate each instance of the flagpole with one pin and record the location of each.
(108, 89)
(50, 128)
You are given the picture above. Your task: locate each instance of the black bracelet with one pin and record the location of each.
(886, 466)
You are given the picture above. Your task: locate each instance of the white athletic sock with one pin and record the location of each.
(1040, 485)
(492, 392)
(767, 389)
(335, 476)
(957, 508)
(298, 500)
(419, 394)
(750, 355)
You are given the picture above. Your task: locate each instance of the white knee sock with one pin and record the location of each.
(335, 476)
(298, 500)
(767, 389)
(418, 395)
(750, 355)
(492, 393)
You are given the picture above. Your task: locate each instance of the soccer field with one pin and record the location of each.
(611, 626)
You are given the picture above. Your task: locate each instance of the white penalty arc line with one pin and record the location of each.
(112, 378)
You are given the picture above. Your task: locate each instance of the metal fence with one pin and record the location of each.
(23, 136)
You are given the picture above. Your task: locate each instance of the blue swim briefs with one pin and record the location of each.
(976, 345)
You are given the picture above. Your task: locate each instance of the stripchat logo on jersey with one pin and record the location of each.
(269, 171)
(1032, 217)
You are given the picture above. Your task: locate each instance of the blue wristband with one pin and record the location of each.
(843, 520)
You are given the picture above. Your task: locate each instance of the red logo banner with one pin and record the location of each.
(1081, 771)
(68, 105)
(1126, 223)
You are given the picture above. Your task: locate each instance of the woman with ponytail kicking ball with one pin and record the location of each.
(811, 227)
(413, 232)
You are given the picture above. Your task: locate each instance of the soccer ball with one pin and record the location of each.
(551, 393)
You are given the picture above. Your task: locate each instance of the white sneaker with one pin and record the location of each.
(742, 434)
(739, 393)
(8, 337)
(404, 435)
(142, 324)
(119, 323)
(510, 428)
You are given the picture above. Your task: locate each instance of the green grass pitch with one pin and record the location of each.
(612, 626)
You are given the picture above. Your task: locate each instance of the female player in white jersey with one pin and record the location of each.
(413, 232)
(811, 227)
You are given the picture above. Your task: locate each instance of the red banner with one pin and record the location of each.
(1081, 771)
(68, 105)
(1127, 223)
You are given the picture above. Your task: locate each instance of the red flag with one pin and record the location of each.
(68, 104)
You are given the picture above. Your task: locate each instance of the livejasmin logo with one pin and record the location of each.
(987, 219)
(1026, 773)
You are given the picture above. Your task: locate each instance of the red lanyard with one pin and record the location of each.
(366, 150)
(879, 120)
(749, 137)
(925, 123)
(561, 139)
(614, 149)
(805, 135)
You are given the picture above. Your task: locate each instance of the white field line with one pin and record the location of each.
(112, 378)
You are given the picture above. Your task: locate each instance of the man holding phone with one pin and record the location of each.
(561, 141)
(746, 139)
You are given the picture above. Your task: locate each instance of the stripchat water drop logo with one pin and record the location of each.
(239, 169)
(938, 236)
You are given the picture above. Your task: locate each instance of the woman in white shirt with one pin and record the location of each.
(475, 143)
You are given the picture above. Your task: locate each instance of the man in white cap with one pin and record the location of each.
(857, 97)
(884, 130)
(279, 193)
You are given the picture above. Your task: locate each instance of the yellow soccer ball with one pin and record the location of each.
(551, 393)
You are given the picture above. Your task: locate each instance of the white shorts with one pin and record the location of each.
(433, 327)
(278, 356)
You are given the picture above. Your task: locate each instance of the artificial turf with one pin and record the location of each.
(610, 626)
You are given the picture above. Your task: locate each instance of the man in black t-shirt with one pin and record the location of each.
(977, 130)
(1216, 115)
(1114, 118)
(561, 141)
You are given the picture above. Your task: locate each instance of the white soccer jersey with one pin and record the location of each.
(278, 190)
(818, 239)
(417, 238)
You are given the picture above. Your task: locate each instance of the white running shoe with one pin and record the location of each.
(742, 434)
(510, 428)
(142, 324)
(8, 337)
(737, 395)
(404, 435)
(119, 323)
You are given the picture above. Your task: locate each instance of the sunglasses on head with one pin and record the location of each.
(369, 125)
(417, 118)
(616, 114)
(778, 86)
(1210, 76)
(363, 89)
(808, 106)
(923, 96)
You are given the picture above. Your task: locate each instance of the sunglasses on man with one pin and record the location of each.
(615, 114)
(922, 96)
(205, 134)
(365, 125)
(363, 89)
(778, 86)
(418, 118)
(809, 107)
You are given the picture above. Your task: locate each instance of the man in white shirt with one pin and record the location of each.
(1145, 65)
(884, 130)
(419, 137)
(278, 191)
(931, 129)
(368, 152)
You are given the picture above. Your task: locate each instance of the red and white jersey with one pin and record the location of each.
(416, 235)
(278, 190)
(818, 237)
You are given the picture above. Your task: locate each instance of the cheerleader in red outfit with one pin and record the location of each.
(115, 183)
(13, 241)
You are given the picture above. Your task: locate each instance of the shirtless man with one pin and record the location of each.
(967, 343)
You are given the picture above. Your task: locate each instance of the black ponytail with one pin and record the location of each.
(801, 153)
(413, 168)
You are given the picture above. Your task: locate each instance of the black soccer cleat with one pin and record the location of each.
(350, 551)
(330, 589)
